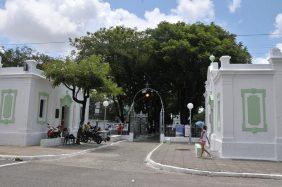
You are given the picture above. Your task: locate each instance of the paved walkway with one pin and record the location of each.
(34, 151)
(39, 151)
(183, 155)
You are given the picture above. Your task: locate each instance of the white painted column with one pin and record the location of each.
(226, 96)
(32, 65)
(226, 105)
(276, 61)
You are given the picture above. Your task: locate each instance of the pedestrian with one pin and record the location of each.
(120, 129)
(203, 140)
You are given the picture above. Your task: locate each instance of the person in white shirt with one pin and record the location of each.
(203, 140)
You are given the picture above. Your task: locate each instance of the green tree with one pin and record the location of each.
(82, 76)
(119, 46)
(172, 57)
(16, 57)
(179, 60)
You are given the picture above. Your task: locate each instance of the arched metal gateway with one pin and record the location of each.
(161, 112)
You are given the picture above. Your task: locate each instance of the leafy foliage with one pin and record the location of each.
(16, 57)
(172, 57)
(119, 46)
(179, 60)
(81, 77)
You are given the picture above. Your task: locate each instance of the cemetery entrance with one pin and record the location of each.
(140, 125)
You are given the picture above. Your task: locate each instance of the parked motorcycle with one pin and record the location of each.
(91, 135)
(53, 132)
(104, 135)
(96, 135)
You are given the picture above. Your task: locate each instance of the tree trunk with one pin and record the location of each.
(83, 113)
(116, 105)
(183, 106)
(79, 132)
(120, 108)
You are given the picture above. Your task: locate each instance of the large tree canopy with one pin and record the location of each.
(180, 60)
(119, 46)
(82, 76)
(172, 57)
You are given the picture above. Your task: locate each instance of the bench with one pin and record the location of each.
(198, 150)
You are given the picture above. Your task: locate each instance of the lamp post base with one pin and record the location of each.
(190, 139)
(162, 137)
(131, 135)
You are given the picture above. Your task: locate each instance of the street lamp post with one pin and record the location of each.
(190, 107)
(105, 104)
(1, 52)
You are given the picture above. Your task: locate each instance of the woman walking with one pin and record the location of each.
(203, 140)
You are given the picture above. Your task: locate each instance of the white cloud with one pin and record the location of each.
(264, 60)
(278, 24)
(260, 60)
(279, 45)
(195, 10)
(234, 5)
(49, 20)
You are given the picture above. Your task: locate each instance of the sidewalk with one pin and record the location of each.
(183, 156)
(37, 152)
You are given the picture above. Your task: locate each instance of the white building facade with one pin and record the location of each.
(28, 102)
(244, 108)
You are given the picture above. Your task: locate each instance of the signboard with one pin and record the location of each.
(114, 126)
(179, 130)
(125, 127)
(97, 111)
(187, 130)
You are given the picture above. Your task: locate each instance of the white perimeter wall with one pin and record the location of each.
(231, 135)
(26, 130)
(15, 133)
(238, 143)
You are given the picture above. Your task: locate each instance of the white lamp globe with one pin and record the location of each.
(2, 50)
(106, 103)
(201, 110)
(190, 106)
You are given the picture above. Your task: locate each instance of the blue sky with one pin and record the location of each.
(39, 21)
(253, 16)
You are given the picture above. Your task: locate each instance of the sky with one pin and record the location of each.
(258, 23)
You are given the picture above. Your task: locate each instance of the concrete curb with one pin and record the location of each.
(65, 155)
(155, 165)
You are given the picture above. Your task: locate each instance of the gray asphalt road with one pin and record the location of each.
(118, 165)
(4, 162)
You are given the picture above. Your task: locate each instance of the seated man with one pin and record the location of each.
(86, 127)
(67, 136)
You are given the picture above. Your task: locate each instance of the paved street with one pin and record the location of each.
(4, 162)
(118, 165)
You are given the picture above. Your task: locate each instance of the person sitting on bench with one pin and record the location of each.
(67, 136)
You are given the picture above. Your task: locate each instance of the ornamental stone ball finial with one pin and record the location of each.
(212, 58)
